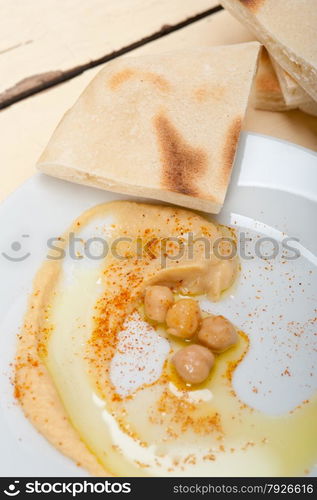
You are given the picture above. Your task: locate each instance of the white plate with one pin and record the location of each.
(273, 193)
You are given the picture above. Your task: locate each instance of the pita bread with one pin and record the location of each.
(288, 31)
(267, 91)
(310, 108)
(268, 94)
(163, 127)
(293, 94)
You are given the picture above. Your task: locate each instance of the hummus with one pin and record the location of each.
(136, 229)
(94, 377)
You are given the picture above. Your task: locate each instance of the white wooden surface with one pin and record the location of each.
(41, 39)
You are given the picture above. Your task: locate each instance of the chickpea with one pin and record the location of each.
(183, 318)
(193, 363)
(157, 301)
(217, 333)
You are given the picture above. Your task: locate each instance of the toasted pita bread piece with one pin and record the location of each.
(267, 91)
(293, 94)
(288, 29)
(274, 88)
(309, 107)
(163, 127)
(268, 94)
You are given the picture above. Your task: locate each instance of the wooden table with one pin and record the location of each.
(46, 42)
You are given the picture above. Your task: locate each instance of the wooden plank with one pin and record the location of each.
(44, 42)
(27, 125)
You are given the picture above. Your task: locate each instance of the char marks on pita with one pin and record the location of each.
(230, 147)
(202, 94)
(181, 163)
(253, 5)
(123, 76)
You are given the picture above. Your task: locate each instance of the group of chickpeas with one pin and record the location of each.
(183, 320)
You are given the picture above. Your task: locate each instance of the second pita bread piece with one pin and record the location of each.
(288, 29)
